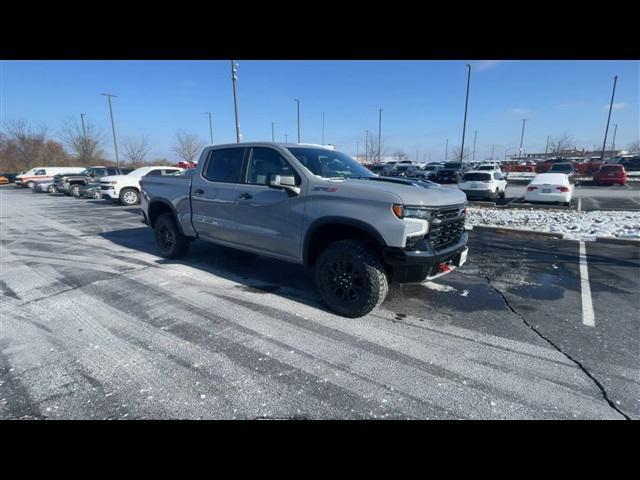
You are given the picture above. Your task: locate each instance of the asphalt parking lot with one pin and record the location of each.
(96, 325)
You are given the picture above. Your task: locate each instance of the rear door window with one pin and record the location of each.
(112, 171)
(224, 165)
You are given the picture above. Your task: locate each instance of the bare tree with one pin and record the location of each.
(135, 149)
(455, 154)
(86, 144)
(371, 149)
(634, 147)
(187, 146)
(28, 143)
(561, 143)
(399, 156)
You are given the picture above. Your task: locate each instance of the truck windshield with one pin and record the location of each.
(329, 163)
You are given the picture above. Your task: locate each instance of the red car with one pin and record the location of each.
(610, 175)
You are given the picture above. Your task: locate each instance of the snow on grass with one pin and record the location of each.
(574, 225)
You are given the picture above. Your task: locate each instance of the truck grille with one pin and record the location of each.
(449, 230)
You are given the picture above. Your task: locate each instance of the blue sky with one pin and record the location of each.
(422, 101)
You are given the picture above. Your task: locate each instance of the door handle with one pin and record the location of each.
(198, 191)
(245, 196)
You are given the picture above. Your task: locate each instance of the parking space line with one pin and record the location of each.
(588, 317)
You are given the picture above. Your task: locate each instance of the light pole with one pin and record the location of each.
(322, 128)
(613, 94)
(446, 150)
(286, 138)
(210, 127)
(113, 128)
(379, 131)
(273, 135)
(234, 80)
(524, 121)
(356, 150)
(466, 104)
(613, 143)
(84, 131)
(492, 145)
(297, 100)
(475, 137)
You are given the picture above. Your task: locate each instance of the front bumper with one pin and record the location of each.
(109, 191)
(423, 262)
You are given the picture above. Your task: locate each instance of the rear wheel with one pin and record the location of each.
(129, 196)
(502, 194)
(51, 189)
(171, 242)
(350, 279)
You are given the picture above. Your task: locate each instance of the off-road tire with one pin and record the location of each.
(129, 197)
(170, 241)
(350, 278)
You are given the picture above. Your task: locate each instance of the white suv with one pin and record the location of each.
(126, 188)
(483, 184)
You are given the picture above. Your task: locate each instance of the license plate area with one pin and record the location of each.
(546, 190)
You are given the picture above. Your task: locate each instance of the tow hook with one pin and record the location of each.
(444, 267)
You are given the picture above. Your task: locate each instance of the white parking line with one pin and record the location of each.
(588, 317)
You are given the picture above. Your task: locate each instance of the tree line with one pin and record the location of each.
(24, 146)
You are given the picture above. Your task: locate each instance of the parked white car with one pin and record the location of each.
(483, 184)
(550, 187)
(30, 177)
(126, 188)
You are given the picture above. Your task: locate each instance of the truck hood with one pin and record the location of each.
(412, 192)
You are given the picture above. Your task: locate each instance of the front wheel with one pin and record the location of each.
(30, 184)
(350, 279)
(171, 242)
(129, 196)
(75, 190)
(51, 189)
(97, 194)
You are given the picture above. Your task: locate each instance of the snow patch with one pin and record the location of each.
(437, 287)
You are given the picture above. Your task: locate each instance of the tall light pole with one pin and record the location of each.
(613, 143)
(446, 150)
(322, 128)
(524, 121)
(113, 128)
(475, 137)
(613, 94)
(286, 138)
(297, 100)
(492, 145)
(379, 131)
(466, 104)
(273, 134)
(210, 127)
(234, 80)
(84, 131)
(356, 150)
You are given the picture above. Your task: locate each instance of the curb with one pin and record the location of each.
(619, 241)
(507, 230)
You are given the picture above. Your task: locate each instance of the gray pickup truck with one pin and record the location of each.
(314, 206)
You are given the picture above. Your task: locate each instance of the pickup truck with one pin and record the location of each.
(70, 184)
(312, 206)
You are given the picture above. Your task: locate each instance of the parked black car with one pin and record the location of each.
(9, 176)
(631, 164)
(70, 184)
(449, 173)
(566, 168)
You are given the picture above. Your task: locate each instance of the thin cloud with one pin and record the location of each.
(616, 106)
(483, 65)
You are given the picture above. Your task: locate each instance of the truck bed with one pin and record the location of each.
(173, 190)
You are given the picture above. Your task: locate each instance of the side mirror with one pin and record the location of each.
(285, 182)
